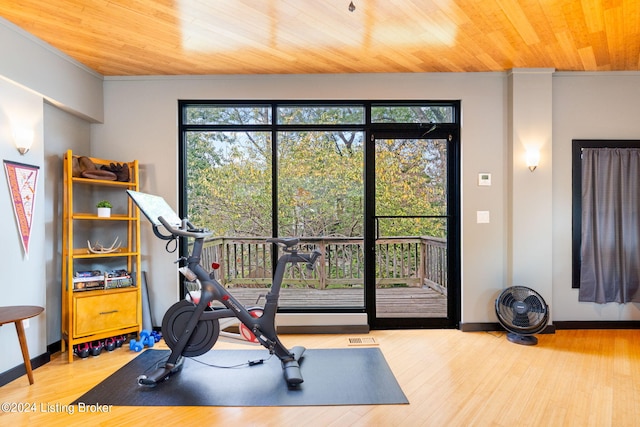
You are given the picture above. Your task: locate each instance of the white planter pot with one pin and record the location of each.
(104, 212)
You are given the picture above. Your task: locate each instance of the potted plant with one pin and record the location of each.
(104, 209)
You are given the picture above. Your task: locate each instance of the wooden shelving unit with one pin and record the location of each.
(90, 315)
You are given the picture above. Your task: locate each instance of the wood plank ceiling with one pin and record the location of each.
(173, 37)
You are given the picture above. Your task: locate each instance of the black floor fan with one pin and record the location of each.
(523, 313)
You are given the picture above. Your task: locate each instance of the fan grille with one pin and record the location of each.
(522, 310)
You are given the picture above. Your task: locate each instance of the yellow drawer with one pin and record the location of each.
(104, 311)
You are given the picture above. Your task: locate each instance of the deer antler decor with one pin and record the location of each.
(97, 248)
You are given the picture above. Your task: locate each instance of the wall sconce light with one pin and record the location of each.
(532, 157)
(23, 138)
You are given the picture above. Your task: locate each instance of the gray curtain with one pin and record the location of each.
(610, 248)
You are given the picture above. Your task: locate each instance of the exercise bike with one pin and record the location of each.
(191, 329)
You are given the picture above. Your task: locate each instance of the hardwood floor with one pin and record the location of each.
(451, 378)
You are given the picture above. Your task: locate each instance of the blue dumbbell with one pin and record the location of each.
(157, 336)
(146, 340)
(135, 345)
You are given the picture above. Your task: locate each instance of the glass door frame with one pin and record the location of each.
(451, 133)
(372, 126)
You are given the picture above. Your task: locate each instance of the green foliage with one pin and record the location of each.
(410, 180)
(412, 114)
(104, 204)
(320, 189)
(229, 182)
(320, 174)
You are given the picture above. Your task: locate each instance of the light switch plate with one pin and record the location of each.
(482, 217)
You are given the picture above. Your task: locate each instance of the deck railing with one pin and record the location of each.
(400, 261)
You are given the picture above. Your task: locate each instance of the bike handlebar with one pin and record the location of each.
(286, 242)
(186, 230)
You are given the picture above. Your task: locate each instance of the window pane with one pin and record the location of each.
(320, 184)
(435, 228)
(229, 182)
(412, 114)
(411, 177)
(316, 115)
(207, 114)
(320, 200)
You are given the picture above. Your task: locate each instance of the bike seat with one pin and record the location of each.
(285, 241)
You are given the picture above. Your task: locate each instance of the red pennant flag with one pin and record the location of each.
(22, 184)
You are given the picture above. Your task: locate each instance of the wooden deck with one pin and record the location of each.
(392, 302)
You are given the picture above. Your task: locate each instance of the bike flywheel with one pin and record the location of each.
(174, 323)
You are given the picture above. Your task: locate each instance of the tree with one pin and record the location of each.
(320, 171)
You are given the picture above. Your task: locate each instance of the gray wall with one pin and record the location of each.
(24, 278)
(58, 99)
(528, 240)
(141, 121)
(63, 131)
(586, 106)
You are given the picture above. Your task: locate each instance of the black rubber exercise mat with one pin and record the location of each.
(351, 376)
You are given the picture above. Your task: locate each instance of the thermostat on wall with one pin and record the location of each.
(484, 179)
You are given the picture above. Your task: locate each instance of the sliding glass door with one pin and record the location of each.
(368, 184)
